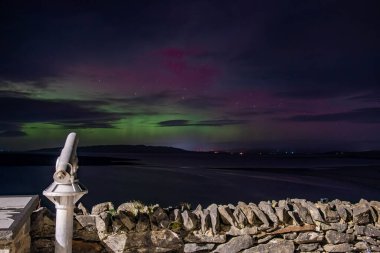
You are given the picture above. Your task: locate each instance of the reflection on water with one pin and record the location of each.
(169, 182)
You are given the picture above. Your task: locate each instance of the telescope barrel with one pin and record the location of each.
(68, 158)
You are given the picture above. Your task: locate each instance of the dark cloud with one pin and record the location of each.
(363, 115)
(176, 122)
(369, 97)
(12, 133)
(212, 123)
(201, 102)
(16, 110)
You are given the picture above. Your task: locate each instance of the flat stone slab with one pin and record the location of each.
(14, 212)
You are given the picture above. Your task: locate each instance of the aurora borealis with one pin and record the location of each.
(199, 75)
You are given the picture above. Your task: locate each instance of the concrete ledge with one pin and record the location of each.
(14, 212)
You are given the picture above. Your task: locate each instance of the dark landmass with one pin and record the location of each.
(31, 159)
(117, 149)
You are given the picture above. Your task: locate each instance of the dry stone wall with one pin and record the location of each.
(292, 225)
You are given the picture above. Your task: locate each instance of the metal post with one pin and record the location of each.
(64, 192)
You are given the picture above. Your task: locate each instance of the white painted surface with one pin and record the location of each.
(8, 208)
(13, 202)
(5, 250)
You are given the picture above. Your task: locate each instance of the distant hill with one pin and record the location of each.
(116, 149)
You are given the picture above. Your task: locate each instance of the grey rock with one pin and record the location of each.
(227, 216)
(260, 215)
(290, 236)
(309, 237)
(102, 207)
(214, 216)
(265, 239)
(359, 230)
(82, 209)
(268, 210)
(240, 217)
(303, 213)
(202, 238)
(175, 215)
(102, 226)
(86, 229)
(362, 213)
(236, 244)
(159, 218)
(190, 220)
(194, 247)
(376, 206)
(295, 218)
(361, 246)
(234, 231)
(342, 211)
(314, 211)
(372, 231)
(143, 223)
(335, 237)
(116, 242)
(116, 225)
(205, 220)
(282, 215)
(308, 247)
(42, 223)
(344, 247)
(274, 246)
(340, 227)
(128, 221)
(248, 212)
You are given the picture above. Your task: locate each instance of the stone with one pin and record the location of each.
(309, 237)
(116, 224)
(86, 230)
(344, 247)
(361, 246)
(335, 237)
(290, 229)
(175, 215)
(159, 218)
(236, 244)
(376, 206)
(308, 247)
(260, 215)
(102, 207)
(42, 245)
(340, 227)
(314, 211)
(361, 213)
(82, 209)
(290, 236)
(87, 246)
(205, 220)
(359, 230)
(295, 218)
(143, 223)
(303, 213)
(234, 231)
(248, 212)
(274, 246)
(202, 238)
(240, 217)
(165, 239)
(372, 231)
(268, 210)
(331, 215)
(116, 242)
(343, 213)
(190, 220)
(214, 217)
(42, 223)
(265, 239)
(102, 227)
(128, 220)
(194, 247)
(282, 215)
(227, 216)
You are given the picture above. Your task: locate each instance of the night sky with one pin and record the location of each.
(199, 75)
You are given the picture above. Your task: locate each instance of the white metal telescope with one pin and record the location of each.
(64, 192)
